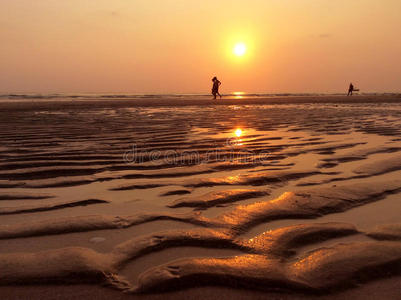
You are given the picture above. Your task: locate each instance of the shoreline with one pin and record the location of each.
(32, 104)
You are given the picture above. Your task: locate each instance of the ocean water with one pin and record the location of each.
(69, 96)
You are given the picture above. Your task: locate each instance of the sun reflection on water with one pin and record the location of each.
(238, 95)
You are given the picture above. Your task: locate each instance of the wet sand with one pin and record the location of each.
(142, 197)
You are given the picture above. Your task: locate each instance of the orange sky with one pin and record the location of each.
(167, 46)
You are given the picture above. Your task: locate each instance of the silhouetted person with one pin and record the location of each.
(350, 89)
(215, 88)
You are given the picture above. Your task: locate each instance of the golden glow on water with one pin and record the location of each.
(238, 95)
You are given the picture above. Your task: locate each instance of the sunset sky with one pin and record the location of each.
(177, 46)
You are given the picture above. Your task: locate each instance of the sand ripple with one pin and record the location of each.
(140, 178)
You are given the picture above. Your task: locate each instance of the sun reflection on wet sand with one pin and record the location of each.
(236, 140)
(238, 132)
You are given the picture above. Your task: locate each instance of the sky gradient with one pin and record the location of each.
(177, 46)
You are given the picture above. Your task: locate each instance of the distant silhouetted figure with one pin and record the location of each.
(350, 89)
(215, 88)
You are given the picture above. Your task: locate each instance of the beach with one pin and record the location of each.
(291, 197)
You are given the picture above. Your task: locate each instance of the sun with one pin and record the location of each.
(239, 49)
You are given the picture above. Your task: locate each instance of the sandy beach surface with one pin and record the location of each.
(279, 198)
